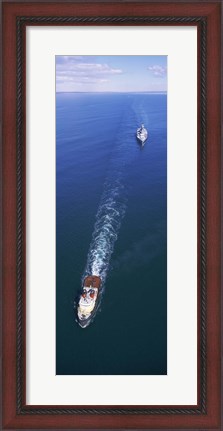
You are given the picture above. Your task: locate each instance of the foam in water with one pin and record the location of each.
(108, 221)
(112, 206)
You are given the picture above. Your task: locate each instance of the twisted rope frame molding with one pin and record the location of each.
(26, 410)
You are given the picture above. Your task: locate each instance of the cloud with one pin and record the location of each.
(83, 80)
(95, 68)
(77, 69)
(64, 59)
(157, 71)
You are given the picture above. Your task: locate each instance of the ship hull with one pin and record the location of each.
(83, 323)
(141, 141)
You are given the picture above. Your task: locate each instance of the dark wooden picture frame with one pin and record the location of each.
(207, 18)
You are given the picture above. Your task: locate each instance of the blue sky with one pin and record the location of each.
(111, 73)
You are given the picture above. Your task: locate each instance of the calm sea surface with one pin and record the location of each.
(111, 216)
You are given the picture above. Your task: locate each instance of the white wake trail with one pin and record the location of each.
(108, 221)
(112, 206)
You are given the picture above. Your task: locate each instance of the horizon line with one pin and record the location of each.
(119, 92)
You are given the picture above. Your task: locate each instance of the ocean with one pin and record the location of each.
(111, 219)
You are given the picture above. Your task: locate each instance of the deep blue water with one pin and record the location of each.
(111, 218)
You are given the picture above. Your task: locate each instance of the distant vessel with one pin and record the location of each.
(88, 300)
(142, 134)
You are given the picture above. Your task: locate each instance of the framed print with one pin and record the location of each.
(111, 163)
